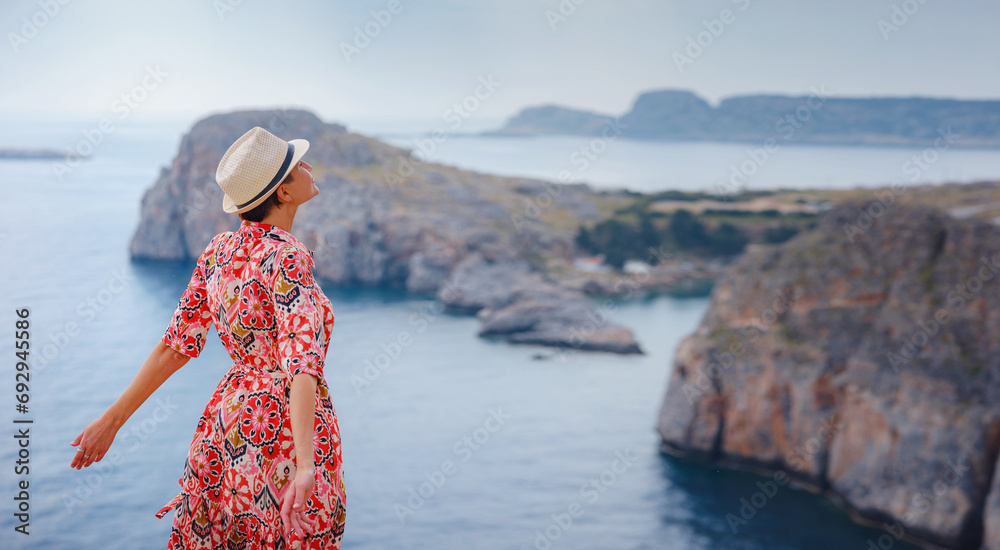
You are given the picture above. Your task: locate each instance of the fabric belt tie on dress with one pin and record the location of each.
(252, 371)
(193, 487)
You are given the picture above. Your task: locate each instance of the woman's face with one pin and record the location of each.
(301, 185)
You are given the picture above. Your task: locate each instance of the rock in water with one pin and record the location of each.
(863, 357)
(385, 218)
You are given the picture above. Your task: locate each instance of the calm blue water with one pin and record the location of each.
(65, 246)
(707, 167)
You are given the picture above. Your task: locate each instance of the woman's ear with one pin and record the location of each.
(283, 195)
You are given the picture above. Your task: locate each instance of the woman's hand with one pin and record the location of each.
(293, 503)
(94, 442)
(302, 410)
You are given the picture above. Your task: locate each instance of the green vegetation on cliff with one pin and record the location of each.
(645, 229)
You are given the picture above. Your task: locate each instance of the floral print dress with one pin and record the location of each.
(256, 285)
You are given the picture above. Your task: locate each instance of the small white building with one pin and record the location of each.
(592, 264)
(636, 267)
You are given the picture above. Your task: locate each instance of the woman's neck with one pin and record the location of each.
(282, 217)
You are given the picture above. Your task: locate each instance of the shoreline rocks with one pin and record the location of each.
(520, 306)
(384, 218)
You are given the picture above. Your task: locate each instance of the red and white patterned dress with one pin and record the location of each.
(256, 285)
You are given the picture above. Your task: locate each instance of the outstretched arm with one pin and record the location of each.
(96, 438)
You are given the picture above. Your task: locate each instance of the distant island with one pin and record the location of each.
(816, 118)
(30, 154)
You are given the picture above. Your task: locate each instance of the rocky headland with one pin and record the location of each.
(861, 358)
(499, 248)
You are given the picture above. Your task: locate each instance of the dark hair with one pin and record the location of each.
(261, 211)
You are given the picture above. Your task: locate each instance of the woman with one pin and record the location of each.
(264, 468)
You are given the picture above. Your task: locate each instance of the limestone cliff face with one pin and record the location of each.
(183, 209)
(862, 357)
(382, 218)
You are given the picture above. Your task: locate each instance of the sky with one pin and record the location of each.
(396, 60)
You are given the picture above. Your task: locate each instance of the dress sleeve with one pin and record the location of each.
(298, 314)
(192, 318)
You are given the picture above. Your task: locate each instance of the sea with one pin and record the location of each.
(455, 442)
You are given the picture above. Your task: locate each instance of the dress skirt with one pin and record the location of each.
(240, 462)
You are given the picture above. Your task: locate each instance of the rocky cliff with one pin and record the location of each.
(862, 357)
(818, 117)
(385, 218)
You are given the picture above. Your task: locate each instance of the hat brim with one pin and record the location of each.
(301, 146)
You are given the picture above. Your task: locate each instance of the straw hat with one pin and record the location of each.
(254, 166)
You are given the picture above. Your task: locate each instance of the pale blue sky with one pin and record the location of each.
(433, 52)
